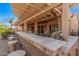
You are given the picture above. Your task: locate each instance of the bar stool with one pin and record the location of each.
(12, 45)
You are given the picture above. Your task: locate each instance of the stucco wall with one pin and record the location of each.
(74, 24)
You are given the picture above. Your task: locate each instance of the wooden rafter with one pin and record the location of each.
(43, 11)
(49, 4)
(37, 8)
(27, 10)
(58, 10)
(23, 10)
(34, 7)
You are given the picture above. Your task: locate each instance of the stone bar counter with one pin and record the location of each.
(70, 48)
(41, 45)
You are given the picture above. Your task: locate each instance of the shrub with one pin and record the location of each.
(56, 34)
(4, 31)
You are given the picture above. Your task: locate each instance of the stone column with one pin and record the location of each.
(48, 33)
(59, 23)
(25, 27)
(78, 23)
(19, 28)
(35, 28)
(16, 28)
(65, 21)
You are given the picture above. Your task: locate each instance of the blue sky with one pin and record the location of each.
(5, 12)
(74, 10)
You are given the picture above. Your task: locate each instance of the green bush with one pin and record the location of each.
(4, 31)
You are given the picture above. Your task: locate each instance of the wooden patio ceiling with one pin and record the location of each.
(28, 11)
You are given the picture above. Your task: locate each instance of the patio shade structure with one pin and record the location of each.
(31, 12)
(37, 21)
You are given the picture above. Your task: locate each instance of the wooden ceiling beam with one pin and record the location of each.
(34, 7)
(43, 11)
(39, 9)
(39, 19)
(49, 4)
(24, 9)
(58, 10)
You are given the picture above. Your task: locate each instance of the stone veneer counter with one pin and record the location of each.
(50, 45)
(43, 43)
(71, 44)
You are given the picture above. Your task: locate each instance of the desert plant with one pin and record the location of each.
(56, 34)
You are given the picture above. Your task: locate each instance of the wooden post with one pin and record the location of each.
(65, 21)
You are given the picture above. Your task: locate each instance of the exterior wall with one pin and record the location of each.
(74, 24)
(18, 28)
(60, 23)
(30, 29)
(47, 24)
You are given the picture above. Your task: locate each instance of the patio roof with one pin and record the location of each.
(35, 11)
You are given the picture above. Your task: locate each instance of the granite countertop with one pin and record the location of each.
(46, 42)
(71, 41)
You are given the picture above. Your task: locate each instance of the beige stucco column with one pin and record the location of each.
(47, 30)
(78, 22)
(25, 27)
(35, 28)
(65, 21)
(19, 28)
(59, 23)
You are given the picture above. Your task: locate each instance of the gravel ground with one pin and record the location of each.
(4, 48)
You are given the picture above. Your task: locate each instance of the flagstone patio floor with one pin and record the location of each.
(4, 48)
